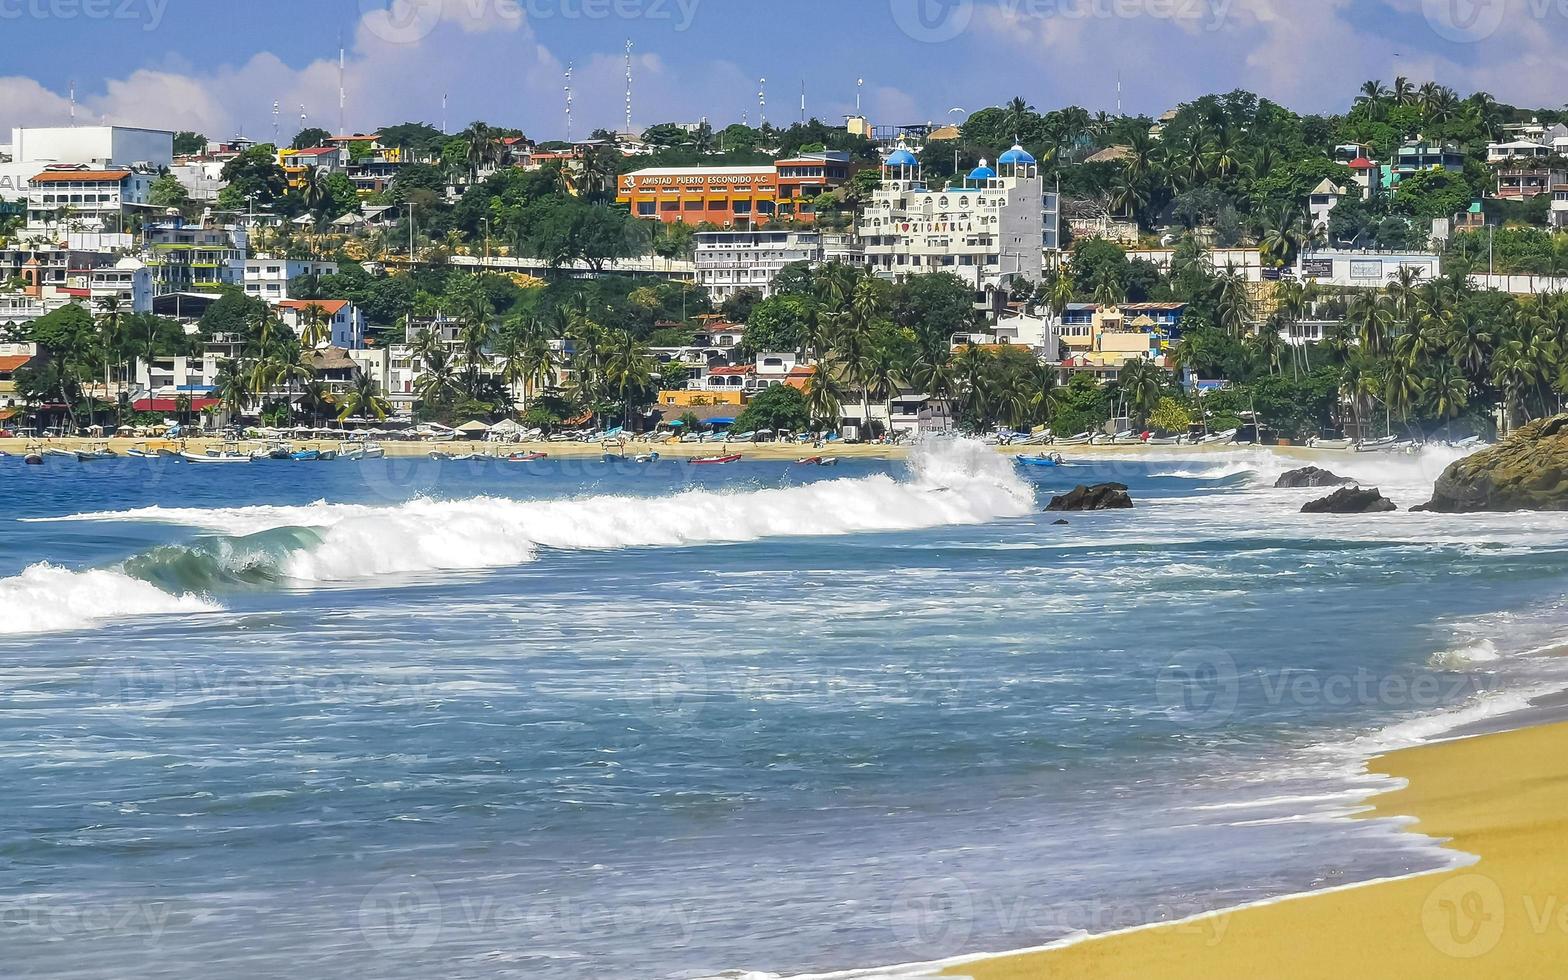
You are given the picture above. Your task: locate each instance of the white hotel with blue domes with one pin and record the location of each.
(988, 229)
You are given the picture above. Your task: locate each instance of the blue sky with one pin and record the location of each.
(218, 66)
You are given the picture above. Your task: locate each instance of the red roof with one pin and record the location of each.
(725, 370)
(315, 151)
(167, 404)
(1361, 163)
(54, 176)
(9, 364)
(328, 306)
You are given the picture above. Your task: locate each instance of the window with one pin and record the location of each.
(645, 208)
(670, 206)
(694, 205)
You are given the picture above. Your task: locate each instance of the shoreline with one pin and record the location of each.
(1491, 792)
(766, 451)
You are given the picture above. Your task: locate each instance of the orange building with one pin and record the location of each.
(734, 197)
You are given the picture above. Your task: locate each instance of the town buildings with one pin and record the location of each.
(988, 230)
(735, 197)
(729, 261)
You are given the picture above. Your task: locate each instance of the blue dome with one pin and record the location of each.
(1017, 155)
(982, 172)
(901, 158)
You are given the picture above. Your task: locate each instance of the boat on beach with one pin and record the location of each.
(1330, 443)
(1081, 439)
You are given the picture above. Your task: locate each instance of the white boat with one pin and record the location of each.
(1162, 441)
(1229, 435)
(215, 457)
(1081, 439)
(1383, 445)
(1330, 443)
(361, 450)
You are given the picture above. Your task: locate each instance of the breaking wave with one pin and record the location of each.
(949, 482)
(46, 598)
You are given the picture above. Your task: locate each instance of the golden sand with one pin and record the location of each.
(1502, 797)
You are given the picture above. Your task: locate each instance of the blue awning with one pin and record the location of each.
(720, 421)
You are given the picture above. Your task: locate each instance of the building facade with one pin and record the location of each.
(987, 231)
(734, 197)
(730, 261)
(79, 198)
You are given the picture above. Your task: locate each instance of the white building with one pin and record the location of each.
(128, 281)
(729, 261)
(1041, 334)
(97, 146)
(269, 278)
(987, 231)
(186, 257)
(1347, 267)
(79, 198)
(1323, 200)
(202, 179)
(343, 320)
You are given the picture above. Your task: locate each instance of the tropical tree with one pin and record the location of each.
(364, 399)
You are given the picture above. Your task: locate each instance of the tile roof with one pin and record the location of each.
(55, 176)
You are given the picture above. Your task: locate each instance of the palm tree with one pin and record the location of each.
(182, 405)
(314, 326)
(1017, 117)
(1140, 382)
(881, 377)
(628, 366)
(1233, 299)
(438, 382)
(1403, 93)
(1285, 237)
(824, 398)
(364, 399)
(233, 385)
(1369, 318)
(482, 149)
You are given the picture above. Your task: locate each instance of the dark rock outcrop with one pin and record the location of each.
(1101, 496)
(1311, 476)
(1350, 500)
(1526, 471)
(1059, 522)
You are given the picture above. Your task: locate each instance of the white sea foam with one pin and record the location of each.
(1476, 652)
(951, 482)
(46, 598)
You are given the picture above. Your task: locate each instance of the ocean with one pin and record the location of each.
(575, 719)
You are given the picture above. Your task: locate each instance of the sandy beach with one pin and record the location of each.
(1500, 797)
(670, 450)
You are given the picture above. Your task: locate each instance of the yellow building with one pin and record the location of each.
(688, 398)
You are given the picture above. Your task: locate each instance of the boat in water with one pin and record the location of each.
(33, 458)
(59, 453)
(647, 458)
(215, 457)
(525, 457)
(716, 460)
(306, 456)
(362, 450)
(1041, 459)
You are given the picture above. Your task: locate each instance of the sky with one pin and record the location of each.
(217, 66)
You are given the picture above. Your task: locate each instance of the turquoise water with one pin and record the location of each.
(403, 718)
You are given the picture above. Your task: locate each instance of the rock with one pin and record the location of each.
(1526, 471)
(1059, 522)
(1310, 476)
(1101, 496)
(1350, 500)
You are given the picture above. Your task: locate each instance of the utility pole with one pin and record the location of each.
(628, 87)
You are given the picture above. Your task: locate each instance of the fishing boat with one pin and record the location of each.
(59, 453)
(326, 455)
(168, 454)
(647, 458)
(1229, 435)
(474, 458)
(615, 458)
(1330, 443)
(525, 457)
(226, 457)
(140, 454)
(306, 456)
(33, 458)
(716, 460)
(1041, 459)
(1081, 439)
(361, 450)
(1162, 441)
(440, 456)
(89, 455)
(809, 461)
(1385, 444)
